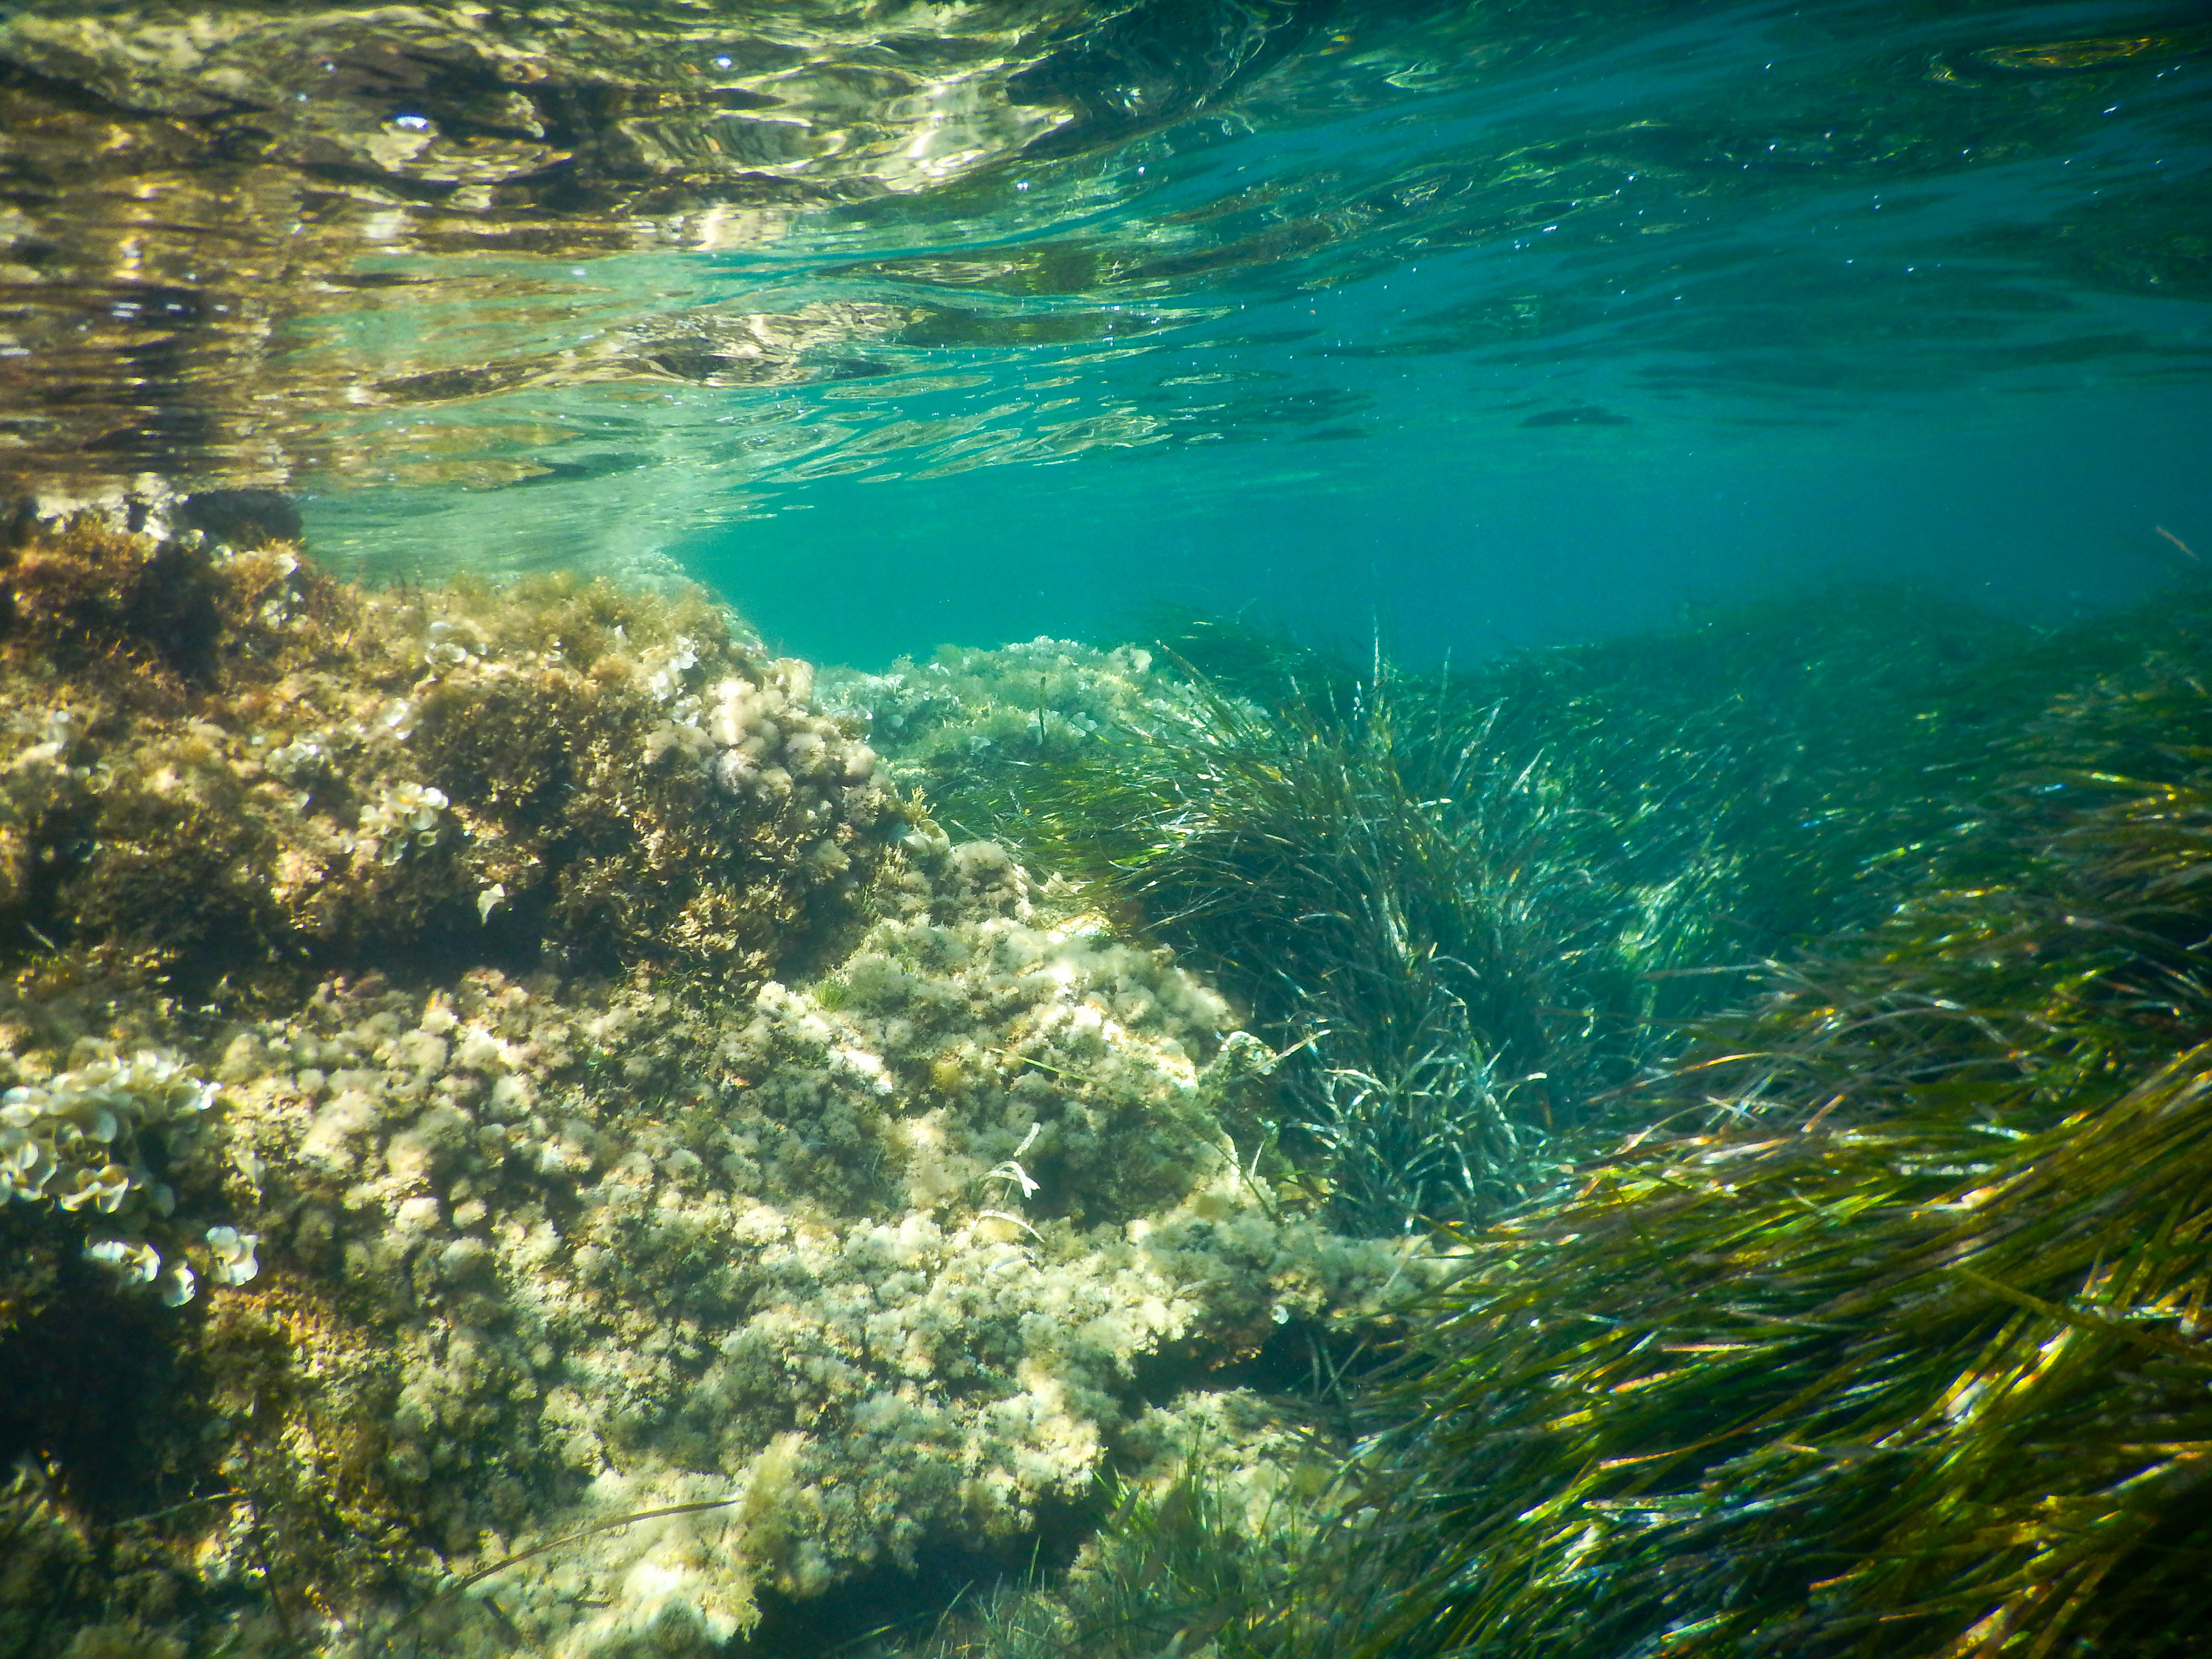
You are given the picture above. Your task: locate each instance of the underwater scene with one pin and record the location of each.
(1159, 830)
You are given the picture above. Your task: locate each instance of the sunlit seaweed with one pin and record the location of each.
(1848, 1392)
(1904, 1355)
(1183, 1571)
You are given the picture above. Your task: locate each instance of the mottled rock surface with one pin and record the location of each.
(605, 1094)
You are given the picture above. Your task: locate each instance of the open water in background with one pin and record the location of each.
(1473, 326)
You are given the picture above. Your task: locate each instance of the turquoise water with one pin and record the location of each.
(1470, 326)
(1452, 542)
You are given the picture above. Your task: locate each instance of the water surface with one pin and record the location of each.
(1473, 325)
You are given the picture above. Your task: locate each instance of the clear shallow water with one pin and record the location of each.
(1469, 327)
(1475, 325)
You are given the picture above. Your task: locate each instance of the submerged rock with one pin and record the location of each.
(618, 1100)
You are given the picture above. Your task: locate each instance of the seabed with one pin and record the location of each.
(532, 1125)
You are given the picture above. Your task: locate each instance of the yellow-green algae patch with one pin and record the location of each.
(778, 1152)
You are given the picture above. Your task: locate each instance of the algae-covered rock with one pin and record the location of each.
(1045, 698)
(606, 1097)
(229, 759)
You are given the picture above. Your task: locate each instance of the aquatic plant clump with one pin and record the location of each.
(1906, 1354)
(77, 1140)
(1201, 1559)
(1829, 1397)
(1427, 911)
(59, 1139)
(968, 726)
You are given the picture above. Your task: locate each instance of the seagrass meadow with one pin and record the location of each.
(1802, 1027)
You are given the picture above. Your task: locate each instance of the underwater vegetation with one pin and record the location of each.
(952, 724)
(227, 760)
(1471, 908)
(1869, 1316)
(1185, 1565)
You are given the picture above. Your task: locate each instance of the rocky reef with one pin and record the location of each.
(522, 1132)
(483, 1065)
